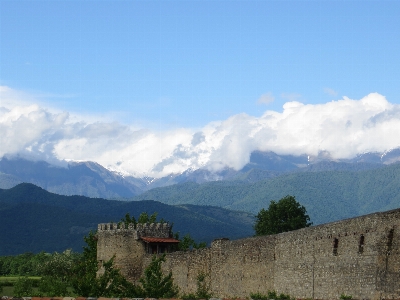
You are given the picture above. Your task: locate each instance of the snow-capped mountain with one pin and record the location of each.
(93, 180)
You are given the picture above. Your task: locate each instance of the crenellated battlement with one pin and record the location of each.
(162, 230)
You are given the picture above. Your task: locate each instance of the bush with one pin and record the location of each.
(190, 296)
(345, 297)
(52, 287)
(270, 295)
(6, 283)
(23, 287)
(155, 284)
(203, 289)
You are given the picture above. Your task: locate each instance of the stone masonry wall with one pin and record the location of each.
(124, 243)
(358, 257)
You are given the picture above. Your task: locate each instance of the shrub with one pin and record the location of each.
(52, 287)
(23, 287)
(203, 289)
(155, 284)
(345, 297)
(270, 295)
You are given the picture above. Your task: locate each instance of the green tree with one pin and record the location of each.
(285, 215)
(155, 284)
(23, 287)
(145, 218)
(129, 220)
(113, 284)
(187, 242)
(84, 279)
(203, 287)
(110, 283)
(53, 287)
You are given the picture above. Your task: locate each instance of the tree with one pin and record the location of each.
(53, 287)
(187, 243)
(285, 215)
(109, 284)
(56, 273)
(84, 279)
(143, 219)
(203, 287)
(155, 284)
(23, 287)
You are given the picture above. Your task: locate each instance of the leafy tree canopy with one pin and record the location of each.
(155, 284)
(144, 217)
(285, 215)
(187, 243)
(109, 284)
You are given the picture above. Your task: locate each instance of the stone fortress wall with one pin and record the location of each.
(124, 242)
(358, 257)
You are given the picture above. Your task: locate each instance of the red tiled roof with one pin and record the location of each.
(159, 240)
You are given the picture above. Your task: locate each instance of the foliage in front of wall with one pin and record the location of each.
(270, 295)
(203, 289)
(345, 297)
(155, 284)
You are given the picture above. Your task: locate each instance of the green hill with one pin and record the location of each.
(327, 195)
(35, 220)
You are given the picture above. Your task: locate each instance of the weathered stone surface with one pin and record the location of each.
(358, 257)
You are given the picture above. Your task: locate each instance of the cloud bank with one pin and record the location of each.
(344, 128)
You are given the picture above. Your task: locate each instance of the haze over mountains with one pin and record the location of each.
(92, 180)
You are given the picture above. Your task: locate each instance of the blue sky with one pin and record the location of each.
(186, 63)
(181, 65)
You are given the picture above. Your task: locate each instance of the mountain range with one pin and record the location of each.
(206, 205)
(92, 180)
(327, 195)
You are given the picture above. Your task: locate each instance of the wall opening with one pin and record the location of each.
(389, 243)
(335, 246)
(361, 244)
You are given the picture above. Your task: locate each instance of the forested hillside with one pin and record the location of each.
(327, 195)
(36, 220)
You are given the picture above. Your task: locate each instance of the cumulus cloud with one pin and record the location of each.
(342, 128)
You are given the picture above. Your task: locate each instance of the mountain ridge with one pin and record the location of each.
(93, 180)
(37, 220)
(327, 195)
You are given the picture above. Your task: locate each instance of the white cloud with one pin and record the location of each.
(344, 128)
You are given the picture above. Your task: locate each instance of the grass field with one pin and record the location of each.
(8, 289)
(15, 278)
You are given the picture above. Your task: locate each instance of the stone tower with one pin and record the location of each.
(129, 244)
